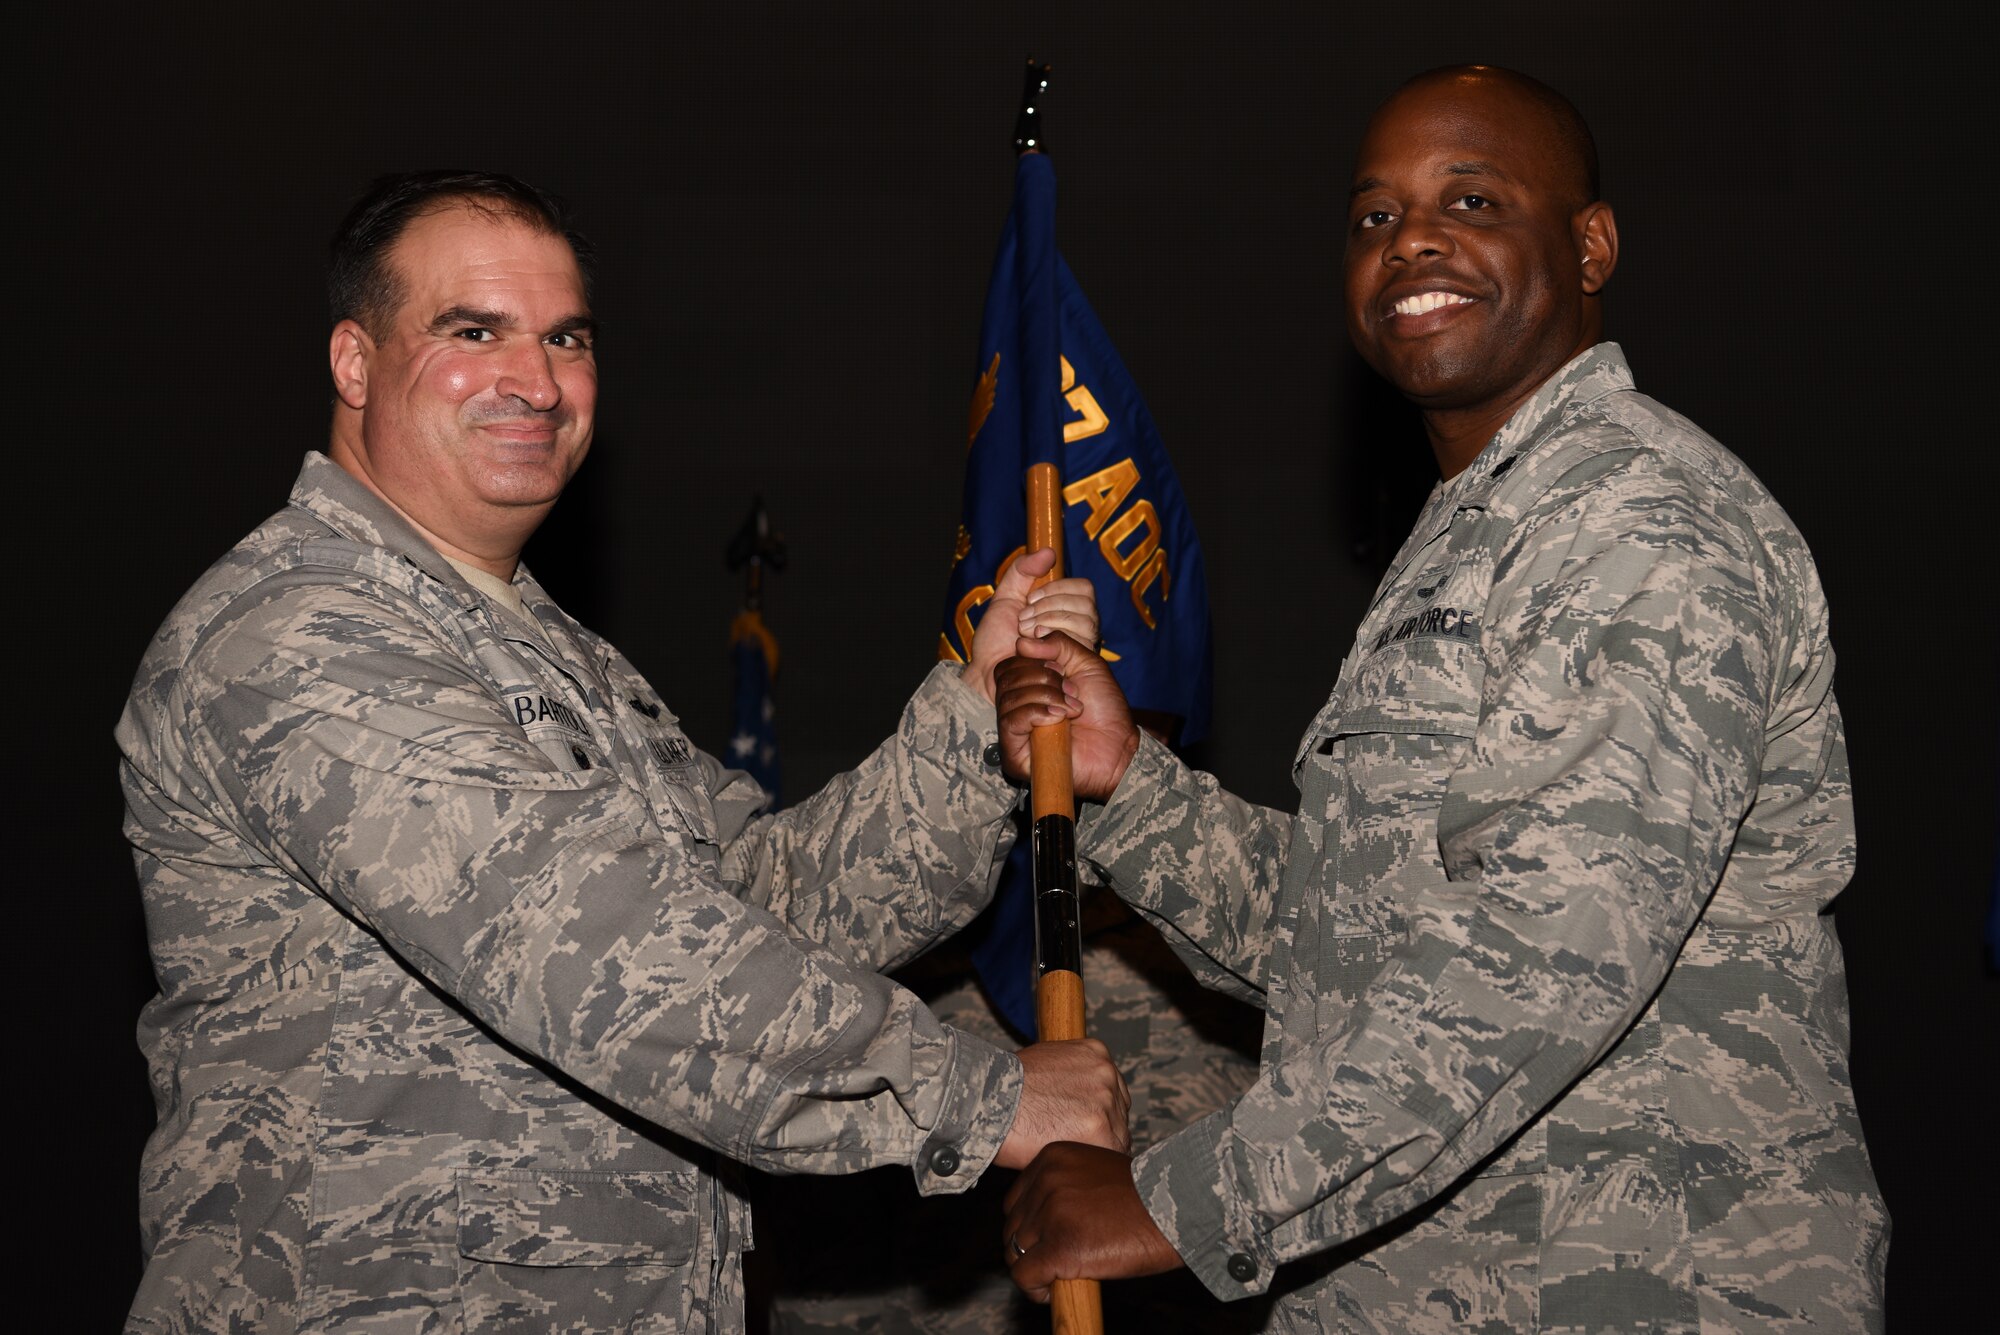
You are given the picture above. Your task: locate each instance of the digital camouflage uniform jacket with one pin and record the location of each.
(1556, 1030)
(471, 966)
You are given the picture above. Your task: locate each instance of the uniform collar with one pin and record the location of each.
(338, 499)
(1590, 375)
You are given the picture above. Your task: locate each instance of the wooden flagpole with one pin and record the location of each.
(1076, 1306)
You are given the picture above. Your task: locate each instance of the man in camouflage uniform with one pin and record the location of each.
(1556, 1018)
(473, 971)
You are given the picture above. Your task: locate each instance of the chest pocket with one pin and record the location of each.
(675, 782)
(685, 788)
(1373, 770)
(549, 705)
(556, 725)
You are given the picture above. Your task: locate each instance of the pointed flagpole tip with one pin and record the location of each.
(753, 549)
(1028, 124)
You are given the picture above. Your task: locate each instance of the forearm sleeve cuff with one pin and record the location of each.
(984, 1087)
(1116, 824)
(1185, 1186)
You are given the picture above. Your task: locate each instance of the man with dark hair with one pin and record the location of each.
(474, 973)
(363, 286)
(1556, 1020)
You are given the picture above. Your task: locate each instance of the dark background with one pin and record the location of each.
(796, 211)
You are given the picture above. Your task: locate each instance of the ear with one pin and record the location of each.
(349, 351)
(1596, 233)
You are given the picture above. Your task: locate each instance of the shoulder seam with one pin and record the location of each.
(287, 559)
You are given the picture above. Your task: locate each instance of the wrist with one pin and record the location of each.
(1017, 1149)
(1125, 762)
(978, 678)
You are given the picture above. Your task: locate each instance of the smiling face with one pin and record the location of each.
(474, 407)
(1473, 250)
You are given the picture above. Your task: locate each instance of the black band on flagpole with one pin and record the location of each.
(1058, 909)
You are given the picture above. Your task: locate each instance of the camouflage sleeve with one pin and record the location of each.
(896, 854)
(341, 729)
(1581, 830)
(1202, 865)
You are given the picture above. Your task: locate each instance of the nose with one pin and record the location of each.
(1419, 235)
(530, 377)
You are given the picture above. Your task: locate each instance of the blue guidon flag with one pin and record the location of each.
(753, 741)
(1051, 389)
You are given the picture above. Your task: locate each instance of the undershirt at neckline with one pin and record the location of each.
(501, 592)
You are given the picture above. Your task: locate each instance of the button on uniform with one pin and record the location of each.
(1242, 1267)
(993, 755)
(944, 1160)
(580, 756)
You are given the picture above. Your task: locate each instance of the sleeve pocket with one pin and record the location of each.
(576, 1218)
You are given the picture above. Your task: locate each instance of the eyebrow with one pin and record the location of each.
(1479, 168)
(458, 316)
(463, 315)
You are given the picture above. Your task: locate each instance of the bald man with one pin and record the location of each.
(1556, 1018)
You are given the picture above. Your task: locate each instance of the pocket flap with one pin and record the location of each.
(1382, 915)
(1320, 727)
(1426, 686)
(689, 794)
(576, 1218)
